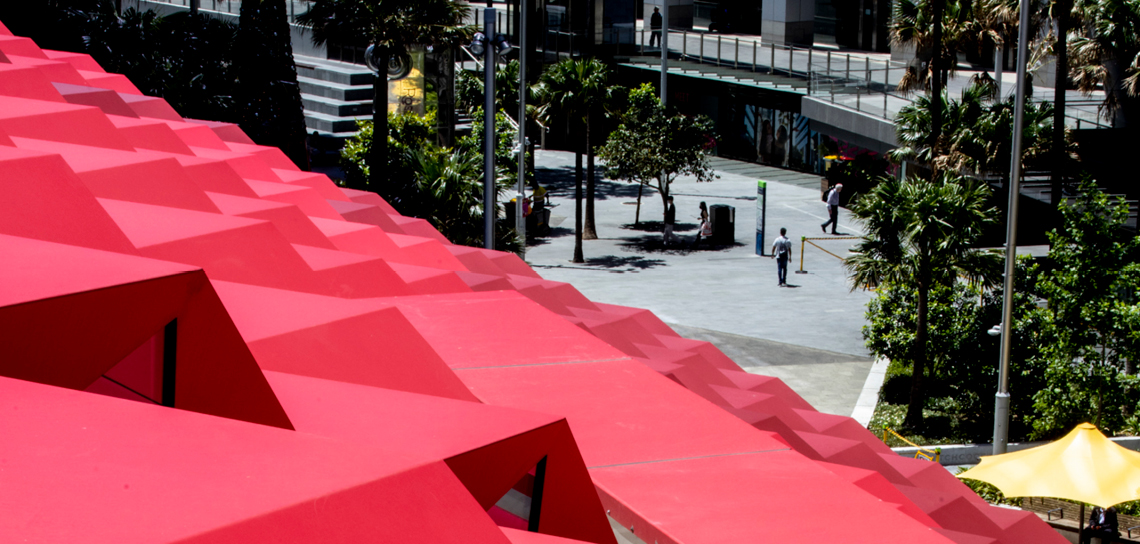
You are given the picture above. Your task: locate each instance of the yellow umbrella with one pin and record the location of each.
(1083, 466)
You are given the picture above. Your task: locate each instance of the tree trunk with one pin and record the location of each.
(1060, 84)
(637, 214)
(936, 73)
(578, 258)
(1114, 84)
(914, 420)
(590, 232)
(378, 152)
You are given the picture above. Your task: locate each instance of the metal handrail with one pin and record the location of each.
(479, 63)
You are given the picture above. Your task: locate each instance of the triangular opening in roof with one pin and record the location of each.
(147, 374)
(520, 506)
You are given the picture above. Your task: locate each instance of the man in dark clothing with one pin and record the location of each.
(670, 218)
(655, 26)
(1102, 525)
(782, 252)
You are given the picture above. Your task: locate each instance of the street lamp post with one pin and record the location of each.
(1001, 401)
(489, 210)
(520, 220)
(489, 45)
(664, 50)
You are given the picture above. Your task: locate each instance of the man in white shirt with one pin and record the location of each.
(782, 252)
(832, 209)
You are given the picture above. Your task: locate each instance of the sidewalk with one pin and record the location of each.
(808, 334)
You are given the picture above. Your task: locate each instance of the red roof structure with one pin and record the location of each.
(203, 344)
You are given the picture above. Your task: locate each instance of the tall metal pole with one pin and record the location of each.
(489, 210)
(664, 51)
(1001, 403)
(194, 7)
(998, 69)
(520, 221)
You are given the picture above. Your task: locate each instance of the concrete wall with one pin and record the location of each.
(867, 131)
(788, 21)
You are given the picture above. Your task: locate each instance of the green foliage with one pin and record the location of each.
(1071, 361)
(469, 89)
(1103, 49)
(393, 25)
(976, 132)
(188, 61)
(443, 186)
(919, 237)
(1090, 330)
(921, 233)
(649, 143)
(269, 97)
(575, 91)
(964, 358)
(406, 132)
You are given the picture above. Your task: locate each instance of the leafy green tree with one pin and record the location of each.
(1089, 334)
(963, 357)
(651, 147)
(576, 90)
(269, 98)
(919, 235)
(392, 26)
(406, 133)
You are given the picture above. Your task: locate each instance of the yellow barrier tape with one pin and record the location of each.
(925, 453)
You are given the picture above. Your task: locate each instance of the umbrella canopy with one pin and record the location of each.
(1083, 466)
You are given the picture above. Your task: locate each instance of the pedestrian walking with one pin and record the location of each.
(782, 252)
(705, 228)
(832, 209)
(670, 219)
(655, 26)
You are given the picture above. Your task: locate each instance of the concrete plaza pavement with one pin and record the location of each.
(807, 334)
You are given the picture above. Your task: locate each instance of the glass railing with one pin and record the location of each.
(231, 7)
(865, 83)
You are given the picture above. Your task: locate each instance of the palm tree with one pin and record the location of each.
(1061, 11)
(1104, 54)
(575, 90)
(939, 30)
(269, 97)
(392, 26)
(450, 192)
(919, 234)
(921, 24)
(976, 133)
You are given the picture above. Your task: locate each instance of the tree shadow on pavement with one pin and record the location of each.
(659, 226)
(560, 183)
(653, 243)
(556, 232)
(613, 261)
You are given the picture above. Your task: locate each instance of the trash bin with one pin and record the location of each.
(510, 209)
(723, 218)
